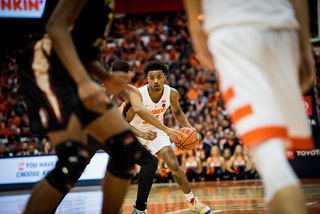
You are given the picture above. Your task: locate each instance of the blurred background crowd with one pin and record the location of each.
(139, 39)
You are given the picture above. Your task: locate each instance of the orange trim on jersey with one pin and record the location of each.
(241, 113)
(262, 134)
(227, 95)
(302, 143)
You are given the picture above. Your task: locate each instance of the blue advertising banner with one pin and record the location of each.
(24, 172)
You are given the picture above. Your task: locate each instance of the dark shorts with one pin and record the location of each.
(48, 90)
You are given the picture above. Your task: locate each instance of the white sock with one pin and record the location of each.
(189, 196)
(274, 168)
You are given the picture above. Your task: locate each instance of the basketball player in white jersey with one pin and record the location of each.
(146, 161)
(158, 97)
(259, 48)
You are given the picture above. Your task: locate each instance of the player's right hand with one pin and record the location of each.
(92, 96)
(116, 83)
(149, 135)
(200, 46)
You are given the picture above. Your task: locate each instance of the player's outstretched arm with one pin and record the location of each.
(176, 110)
(198, 36)
(145, 114)
(62, 18)
(115, 83)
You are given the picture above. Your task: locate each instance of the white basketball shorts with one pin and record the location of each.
(258, 71)
(156, 145)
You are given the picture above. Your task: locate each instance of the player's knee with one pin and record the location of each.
(73, 157)
(93, 145)
(173, 166)
(124, 151)
(274, 167)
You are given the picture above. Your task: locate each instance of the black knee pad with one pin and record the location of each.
(73, 158)
(124, 152)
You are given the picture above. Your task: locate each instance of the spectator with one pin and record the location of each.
(47, 149)
(226, 154)
(240, 164)
(222, 139)
(12, 132)
(232, 142)
(13, 148)
(203, 160)
(14, 119)
(33, 151)
(42, 144)
(192, 166)
(24, 149)
(25, 127)
(215, 165)
(3, 150)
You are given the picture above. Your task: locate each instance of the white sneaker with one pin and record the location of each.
(135, 211)
(122, 208)
(197, 207)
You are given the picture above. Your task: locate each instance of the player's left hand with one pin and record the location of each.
(307, 71)
(149, 135)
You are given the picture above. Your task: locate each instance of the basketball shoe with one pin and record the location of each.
(197, 207)
(122, 207)
(135, 211)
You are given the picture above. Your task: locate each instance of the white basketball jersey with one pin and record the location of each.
(158, 109)
(271, 14)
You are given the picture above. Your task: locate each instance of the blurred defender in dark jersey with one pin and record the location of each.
(63, 100)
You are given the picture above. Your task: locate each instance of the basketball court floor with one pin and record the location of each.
(222, 197)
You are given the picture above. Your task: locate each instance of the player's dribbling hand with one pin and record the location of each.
(174, 132)
(307, 71)
(198, 135)
(92, 96)
(149, 135)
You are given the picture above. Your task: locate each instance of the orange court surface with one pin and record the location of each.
(222, 197)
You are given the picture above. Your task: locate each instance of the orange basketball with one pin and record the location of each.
(187, 142)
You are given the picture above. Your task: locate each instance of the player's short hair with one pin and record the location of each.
(120, 65)
(156, 65)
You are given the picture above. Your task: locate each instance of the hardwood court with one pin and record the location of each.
(224, 197)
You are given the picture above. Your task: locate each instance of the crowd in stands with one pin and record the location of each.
(139, 39)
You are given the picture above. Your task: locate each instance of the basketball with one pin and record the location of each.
(187, 142)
